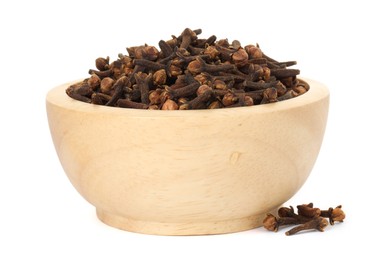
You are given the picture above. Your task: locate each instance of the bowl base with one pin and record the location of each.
(180, 229)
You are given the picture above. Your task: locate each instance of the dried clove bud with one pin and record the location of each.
(118, 90)
(284, 73)
(200, 100)
(182, 101)
(166, 49)
(150, 53)
(202, 89)
(102, 63)
(94, 81)
(308, 216)
(299, 89)
(95, 99)
(317, 223)
(212, 52)
(159, 77)
(174, 71)
(219, 84)
(272, 223)
(229, 99)
(215, 104)
(199, 65)
(266, 74)
(223, 43)
(188, 36)
(186, 91)
(335, 214)
(131, 104)
(240, 57)
(288, 95)
(307, 210)
(170, 105)
(232, 75)
(248, 101)
(101, 74)
(202, 78)
(144, 87)
(269, 95)
(106, 85)
(155, 97)
(254, 52)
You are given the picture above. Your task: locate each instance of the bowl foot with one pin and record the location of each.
(180, 229)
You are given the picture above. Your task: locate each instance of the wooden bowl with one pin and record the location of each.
(188, 172)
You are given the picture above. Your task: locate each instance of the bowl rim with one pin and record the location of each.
(58, 97)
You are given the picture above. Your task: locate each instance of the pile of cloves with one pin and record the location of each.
(189, 73)
(307, 218)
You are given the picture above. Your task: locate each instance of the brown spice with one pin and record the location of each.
(106, 85)
(335, 214)
(187, 67)
(307, 210)
(308, 217)
(170, 105)
(272, 223)
(159, 77)
(317, 223)
(94, 82)
(102, 63)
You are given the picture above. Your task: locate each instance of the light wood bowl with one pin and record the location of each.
(188, 172)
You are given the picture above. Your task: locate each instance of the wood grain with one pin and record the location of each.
(188, 172)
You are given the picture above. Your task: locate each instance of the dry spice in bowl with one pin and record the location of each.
(188, 172)
(189, 73)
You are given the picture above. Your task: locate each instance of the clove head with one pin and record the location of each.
(270, 223)
(229, 99)
(337, 214)
(254, 52)
(195, 67)
(174, 71)
(286, 212)
(106, 85)
(102, 63)
(94, 81)
(215, 104)
(202, 89)
(223, 43)
(248, 101)
(270, 94)
(182, 101)
(212, 52)
(150, 53)
(202, 78)
(169, 105)
(159, 77)
(155, 97)
(219, 84)
(307, 210)
(240, 57)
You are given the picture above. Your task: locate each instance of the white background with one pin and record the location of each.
(340, 43)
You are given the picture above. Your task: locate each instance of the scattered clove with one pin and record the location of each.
(272, 223)
(317, 223)
(335, 214)
(206, 72)
(307, 210)
(307, 218)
